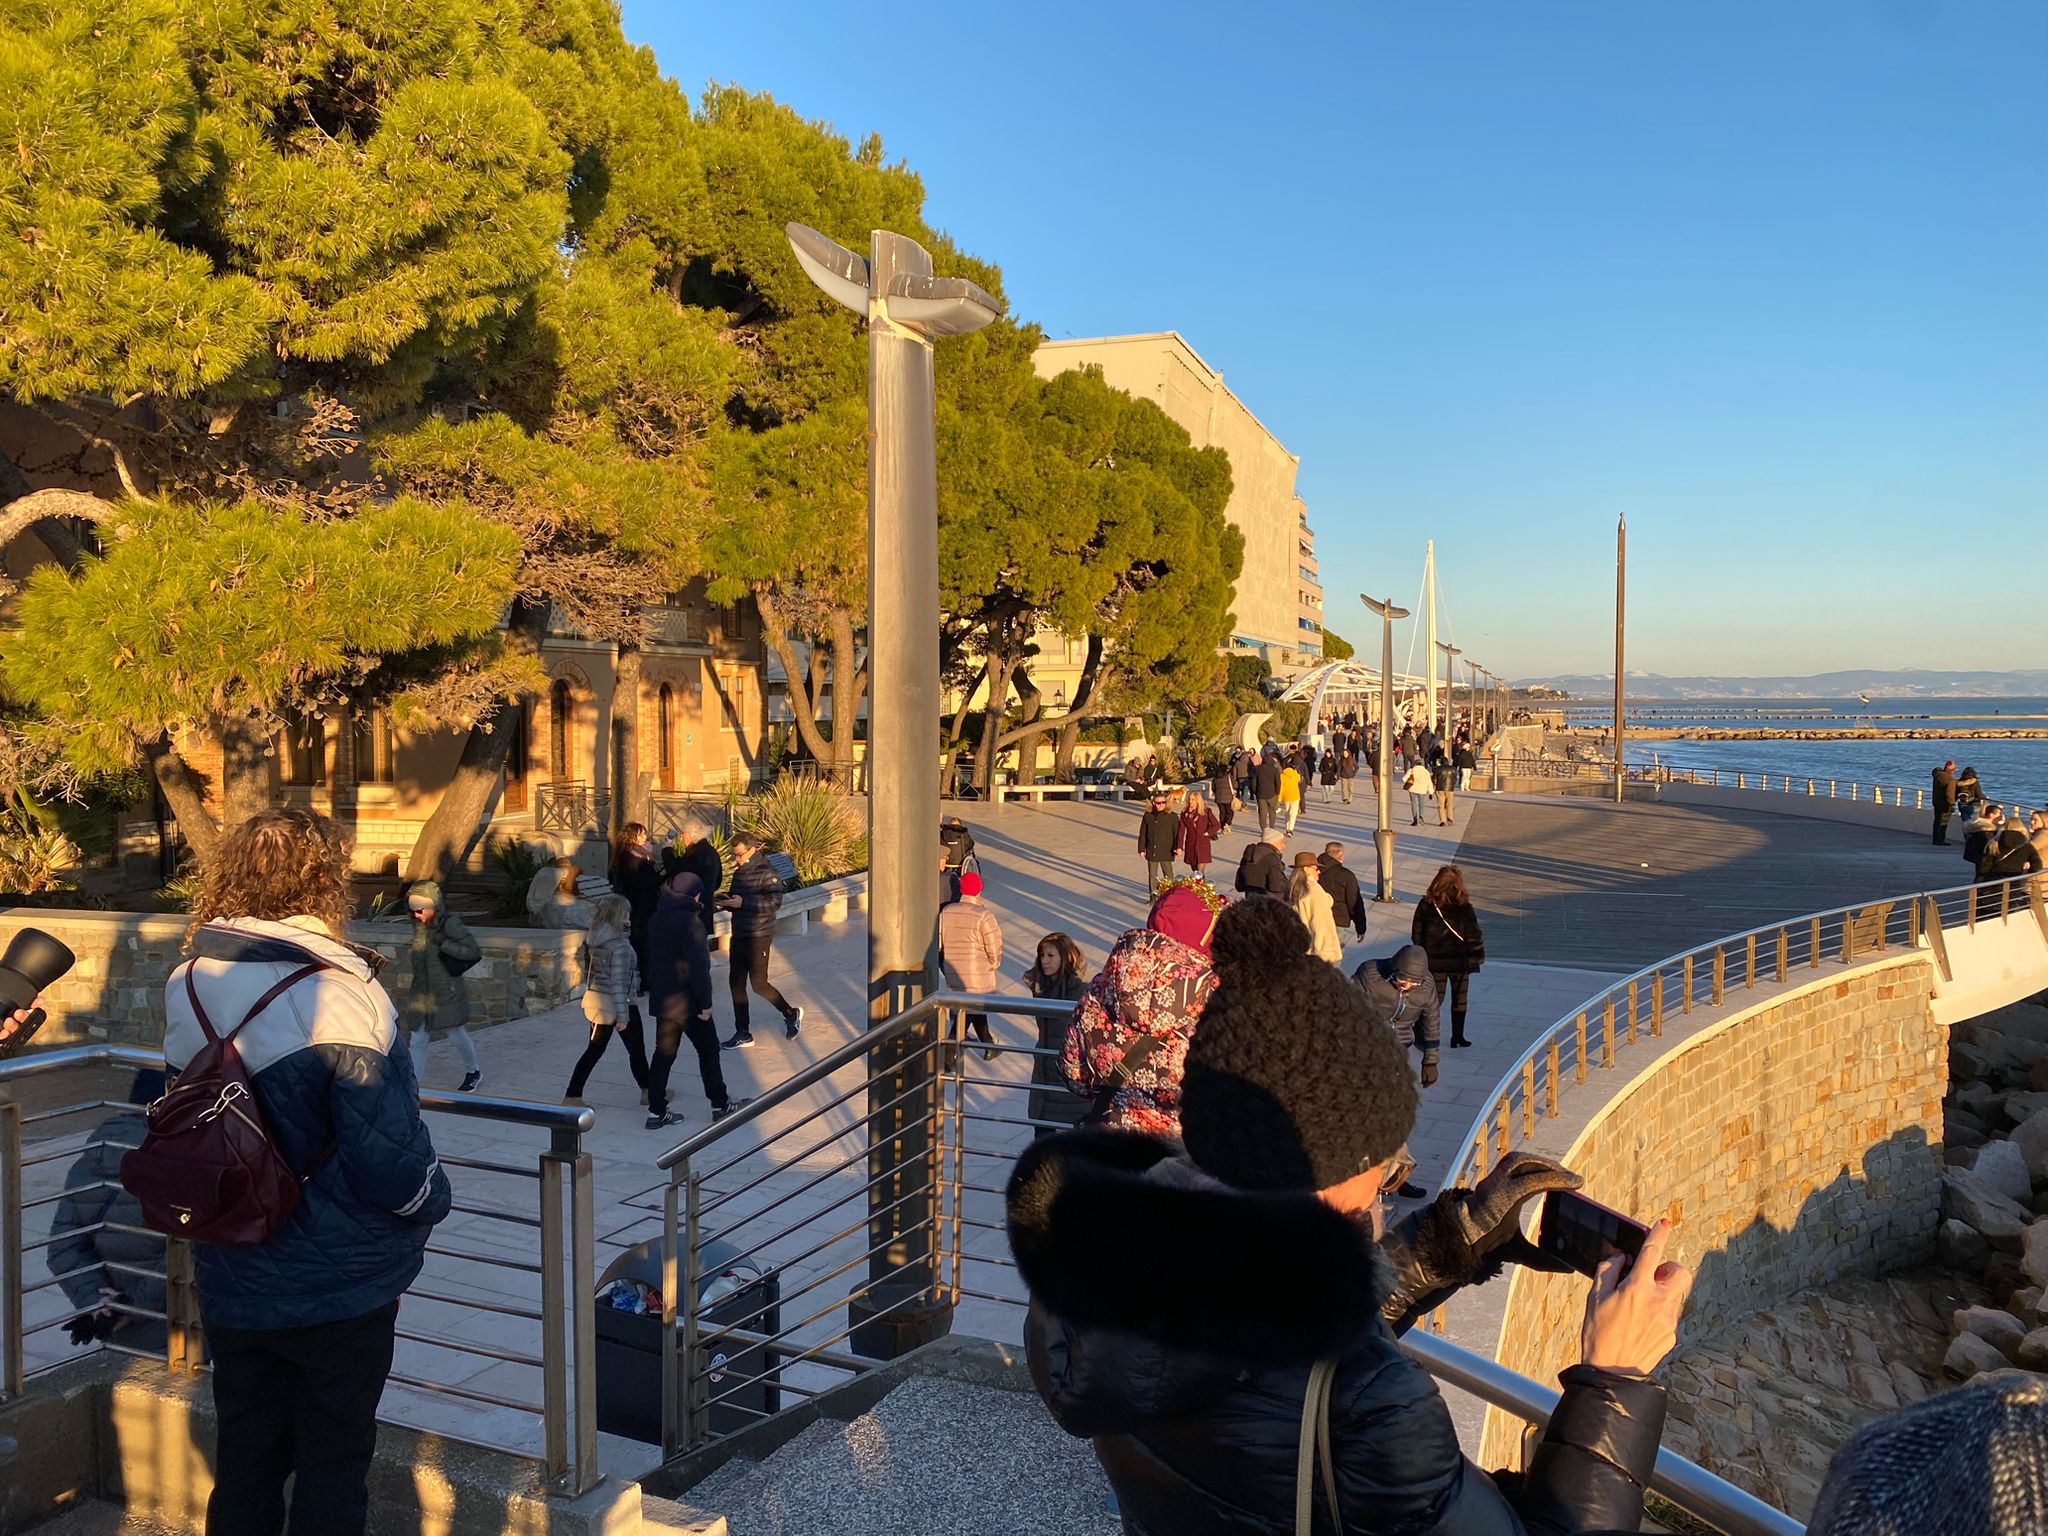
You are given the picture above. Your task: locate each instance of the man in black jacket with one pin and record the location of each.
(679, 991)
(1262, 872)
(755, 900)
(1158, 829)
(699, 858)
(1266, 787)
(1345, 898)
(1944, 801)
(1261, 1272)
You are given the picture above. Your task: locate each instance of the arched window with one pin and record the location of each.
(515, 762)
(559, 707)
(664, 732)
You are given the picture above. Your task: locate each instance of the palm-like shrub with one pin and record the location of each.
(823, 833)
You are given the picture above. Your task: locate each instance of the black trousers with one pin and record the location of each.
(1455, 989)
(749, 954)
(675, 1022)
(1941, 819)
(600, 1037)
(297, 1401)
(1225, 811)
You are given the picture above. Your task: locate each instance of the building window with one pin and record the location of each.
(735, 695)
(665, 735)
(375, 745)
(516, 755)
(305, 748)
(560, 707)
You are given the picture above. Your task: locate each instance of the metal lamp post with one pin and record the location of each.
(1451, 655)
(1383, 835)
(907, 308)
(1620, 614)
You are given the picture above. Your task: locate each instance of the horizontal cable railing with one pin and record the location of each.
(810, 1206)
(506, 1289)
(1867, 793)
(1594, 1033)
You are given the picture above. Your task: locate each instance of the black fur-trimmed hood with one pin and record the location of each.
(1117, 1231)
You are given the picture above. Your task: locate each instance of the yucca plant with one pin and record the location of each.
(821, 832)
(515, 864)
(34, 855)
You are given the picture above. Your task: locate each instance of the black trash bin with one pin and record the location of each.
(731, 1290)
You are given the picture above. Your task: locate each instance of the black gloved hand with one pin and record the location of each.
(88, 1326)
(1429, 1074)
(1465, 1236)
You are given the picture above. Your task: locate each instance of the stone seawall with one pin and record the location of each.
(1795, 1142)
(115, 992)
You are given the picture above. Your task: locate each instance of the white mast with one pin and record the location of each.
(1429, 623)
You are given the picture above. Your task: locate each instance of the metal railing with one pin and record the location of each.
(1591, 1035)
(567, 806)
(506, 1281)
(802, 1197)
(1790, 784)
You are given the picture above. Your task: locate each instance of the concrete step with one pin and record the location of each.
(95, 1517)
(935, 1457)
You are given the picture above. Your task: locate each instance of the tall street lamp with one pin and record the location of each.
(907, 308)
(1451, 655)
(1383, 835)
(1620, 615)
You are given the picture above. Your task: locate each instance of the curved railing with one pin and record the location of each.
(1638, 1004)
(1896, 795)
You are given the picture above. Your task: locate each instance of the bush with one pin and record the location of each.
(821, 832)
(515, 864)
(34, 855)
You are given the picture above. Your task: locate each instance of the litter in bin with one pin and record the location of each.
(633, 1296)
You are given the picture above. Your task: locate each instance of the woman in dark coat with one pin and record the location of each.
(1448, 929)
(1056, 973)
(636, 874)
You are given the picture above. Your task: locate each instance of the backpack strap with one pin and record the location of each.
(1135, 1055)
(291, 980)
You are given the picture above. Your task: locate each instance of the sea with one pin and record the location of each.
(2014, 771)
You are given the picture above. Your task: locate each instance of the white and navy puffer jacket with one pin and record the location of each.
(332, 1072)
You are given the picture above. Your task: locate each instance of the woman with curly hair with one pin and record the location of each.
(302, 1325)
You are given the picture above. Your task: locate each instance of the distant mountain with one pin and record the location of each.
(1909, 683)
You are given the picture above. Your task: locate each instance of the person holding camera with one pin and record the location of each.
(1267, 1289)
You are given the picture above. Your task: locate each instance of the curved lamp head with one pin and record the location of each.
(843, 274)
(931, 306)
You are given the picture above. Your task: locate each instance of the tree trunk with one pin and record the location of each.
(629, 785)
(955, 734)
(248, 769)
(999, 668)
(184, 796)
(452, 830)
(1068, 741)
(848, 683)
(1028, 736)
(803, 705)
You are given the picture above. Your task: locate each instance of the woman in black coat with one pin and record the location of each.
(1448, 929)
(636, 874)
(1057, 973)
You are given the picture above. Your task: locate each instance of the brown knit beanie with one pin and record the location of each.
(1290, 1083)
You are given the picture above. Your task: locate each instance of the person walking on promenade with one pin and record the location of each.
(1242, 765)
(2008, 852)
(1266, 787)
(1404, 998)
(1347, 902)
(1464, 759)
(1445, 777)
(679, 992)
(1057, 974)
(1420, 784)
(1261, 872)
(1158, 833)
(755, 900)
(1944, 801)
(971, 951)
(1328, 771)
(302, 1325)
(441, 948)
(1131, 1028)
(1290, 795)
(1188, 1298)
(1195, 836)
(1312, 905)
(636, 875)
(1448, 930)
(1347, 767)
(697, 856)
(1223, 790)
(612, 972)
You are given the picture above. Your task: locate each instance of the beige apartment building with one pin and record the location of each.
(1279, 596)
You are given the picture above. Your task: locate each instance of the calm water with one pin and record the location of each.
(2012, 771)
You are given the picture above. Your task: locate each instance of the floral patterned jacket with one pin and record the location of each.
(1150, 985)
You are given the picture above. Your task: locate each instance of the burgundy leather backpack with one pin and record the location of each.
(208, 1168)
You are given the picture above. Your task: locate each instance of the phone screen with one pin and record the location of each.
(1584, 1232)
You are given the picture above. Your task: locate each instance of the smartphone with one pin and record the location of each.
(1584, 1232)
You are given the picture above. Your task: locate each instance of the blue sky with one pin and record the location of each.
(1770, 278)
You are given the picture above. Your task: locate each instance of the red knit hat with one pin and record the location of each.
(970, 884)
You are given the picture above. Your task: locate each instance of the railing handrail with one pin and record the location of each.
(854, 1049)
(1699, 1492)
(1511, 1079)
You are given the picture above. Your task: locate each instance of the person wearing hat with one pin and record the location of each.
(679, 993)
(1158, 834)
(1313, 906)
(1131, 1028)
(971, 951)
(1262, 870)
(1971, 1462)
(436, 1004)
(1186, 1298)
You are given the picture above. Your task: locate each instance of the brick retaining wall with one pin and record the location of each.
(115, 992)
(1795, 1142)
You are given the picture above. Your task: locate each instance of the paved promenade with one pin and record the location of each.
(1565, 900)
